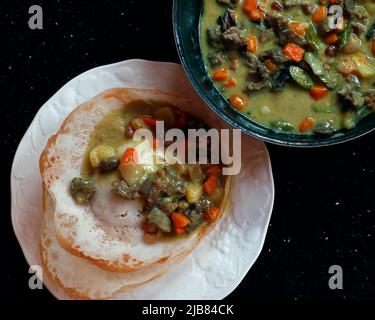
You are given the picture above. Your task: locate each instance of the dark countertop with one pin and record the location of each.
(324, 206)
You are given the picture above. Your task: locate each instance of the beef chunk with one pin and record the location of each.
(370, 99)
(274, 54)
(124, 190)
(255, 86)
(227, 20)
(215, 36)
(160, 219)
(350, 93)
(277, 22)
(217, 59)
(232, 3)
(235, 37)
(288, 36)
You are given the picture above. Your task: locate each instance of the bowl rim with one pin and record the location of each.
(338, 138)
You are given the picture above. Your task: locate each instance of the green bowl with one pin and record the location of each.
(186, 17)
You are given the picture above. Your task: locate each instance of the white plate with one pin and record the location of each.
(219, 264)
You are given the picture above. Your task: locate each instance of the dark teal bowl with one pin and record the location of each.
(186, 16)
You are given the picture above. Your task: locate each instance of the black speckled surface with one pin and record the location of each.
(324, 211)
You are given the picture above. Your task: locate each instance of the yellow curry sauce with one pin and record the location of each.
(245, 49)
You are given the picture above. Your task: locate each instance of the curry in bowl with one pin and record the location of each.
(291, 65)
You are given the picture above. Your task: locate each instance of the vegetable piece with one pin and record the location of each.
(331, 78)
(179, 220)
(319, 15)
(293, 52)
(314, 62)
(332, 38)
(297, 28)
(312, 37)
(282, 126)
(346, 66)
(213, 170)
(324, 128)
(196, 174)
(220, 74)
(344, 36)
(178, 231)
(306, 125)
(252, 43)
(100, 153)
(231, 83)
(82, 190)
(160, 219)
(210, 185)
(256, 15)
(109, 164)
(248, 6)
(211, 214)
(353, 44)
(151, 122)
(131, 172)
(318, 92)
(237, 102)
(193, 192)
(129, 156)
(167, 115)
(363, 66)
(301, 77)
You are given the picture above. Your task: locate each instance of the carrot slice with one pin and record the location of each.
(256, 15)
(211, 214)
(179, 220)
(237, 102)
(332, 38)
(220, 74)
(319, 15)
(252, 43)
(297, 28)
(248, 6)
(293, 52)
(179, 230)
(318, 92)
(231, 83)
(306, 124)
(129, 156)
(210, 185)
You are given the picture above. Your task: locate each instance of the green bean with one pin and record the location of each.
(301, 77)
(344, 36)
(312, 37)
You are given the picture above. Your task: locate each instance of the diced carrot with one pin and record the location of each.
(179, 230)
(332, 38)
(306, 124)
(256, 15)
(179, 220)
(237, 102)
(318, 92)
(270, 65)
(211, 214)
(293, 52)
(248, 6)
(181, 121)
(213, 170)
(319, 15)
(231, 83)
(149, 227)
(129, 156)
(220, 74)
(151, 122)
(297, 28)
(373, 47)
(252, 43)
(210, 185)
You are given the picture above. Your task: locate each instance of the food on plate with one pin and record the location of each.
(294, 66)
(116, 210)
